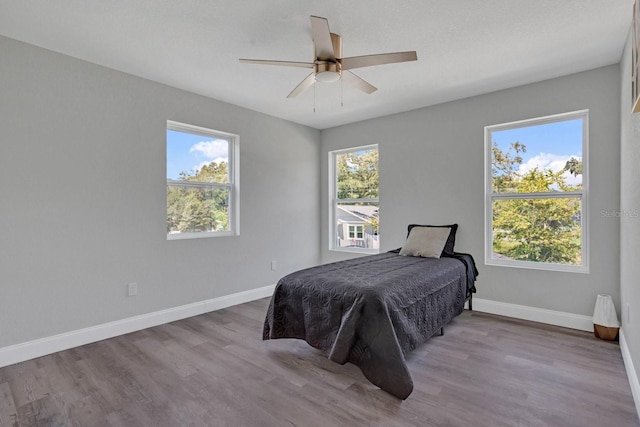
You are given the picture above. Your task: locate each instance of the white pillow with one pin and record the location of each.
(427, 242)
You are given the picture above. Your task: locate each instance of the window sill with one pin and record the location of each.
(356, 250)
(538, 266)
(200, 235)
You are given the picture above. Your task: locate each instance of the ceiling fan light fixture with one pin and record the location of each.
(327, 76)
(327, 72)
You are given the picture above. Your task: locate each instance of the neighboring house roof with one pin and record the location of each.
(362, 213)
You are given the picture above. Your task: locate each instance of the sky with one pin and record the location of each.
(549, 146)
(188, 152)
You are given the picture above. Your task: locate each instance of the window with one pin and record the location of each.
(202, 182)
(356, 232)
(354, 200)
(536, 193)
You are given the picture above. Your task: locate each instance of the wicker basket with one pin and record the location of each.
(605, 319)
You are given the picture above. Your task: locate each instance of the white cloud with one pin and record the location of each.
(551, 161)
(214, 149)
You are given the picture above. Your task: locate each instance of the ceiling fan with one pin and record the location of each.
(329, 65)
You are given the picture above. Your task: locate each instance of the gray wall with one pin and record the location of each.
(629, 208)
(82, 197)
(431, 171)
(82, 212)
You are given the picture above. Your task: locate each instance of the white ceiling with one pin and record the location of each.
(465, 47)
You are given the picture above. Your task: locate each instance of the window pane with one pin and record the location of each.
(197, 209)
(357, 174)
(538, 230)
(195, 157)
(537, 159)
(202, 184)
(357, 225)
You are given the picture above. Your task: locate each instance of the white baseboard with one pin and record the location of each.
(43, 346)
(550, 317)
(631, 371)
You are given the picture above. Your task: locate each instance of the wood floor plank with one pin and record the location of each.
(8, 411)
(41, 412)
(27, 383)
(214, 369)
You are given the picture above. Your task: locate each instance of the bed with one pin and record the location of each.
(372, 310)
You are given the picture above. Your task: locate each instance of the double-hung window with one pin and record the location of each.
(202, 182)
(354, 216)
(536, 193)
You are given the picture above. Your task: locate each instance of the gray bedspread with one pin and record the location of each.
(369, 311)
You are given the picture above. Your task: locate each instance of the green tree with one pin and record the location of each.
(574, 166)
(213, 172)
(193, 209)
(504, 167)
(358, 175)
(535, 229)
(358, 178)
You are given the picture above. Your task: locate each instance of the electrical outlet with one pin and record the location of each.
(132, 289)
(274, 265)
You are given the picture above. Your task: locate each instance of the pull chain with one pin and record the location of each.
(314, 97)
(341, 93)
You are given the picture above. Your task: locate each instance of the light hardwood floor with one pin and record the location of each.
(215, 370)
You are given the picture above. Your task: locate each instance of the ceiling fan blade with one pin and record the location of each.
(322, 39)
(382, 58)
(283, 63)
(357, 82)
(308, 81)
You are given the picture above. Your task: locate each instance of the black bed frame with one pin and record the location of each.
(470, 299)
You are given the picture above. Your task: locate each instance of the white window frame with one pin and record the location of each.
(333, 199)
(582, 195)
(233, 186)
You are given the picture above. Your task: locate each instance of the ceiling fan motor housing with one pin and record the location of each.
(330, 71)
